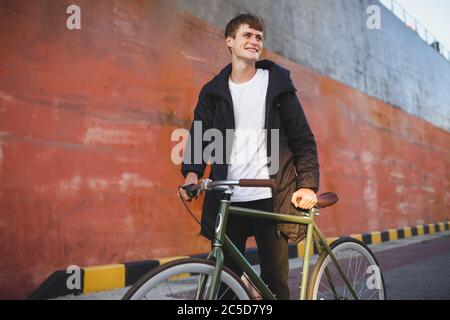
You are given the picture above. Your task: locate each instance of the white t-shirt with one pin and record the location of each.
(249, 152)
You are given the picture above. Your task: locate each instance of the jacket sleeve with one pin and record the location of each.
(193, 156)
(301, 142)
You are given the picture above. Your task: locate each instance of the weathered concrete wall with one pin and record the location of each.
(330, 36)
(85, 123)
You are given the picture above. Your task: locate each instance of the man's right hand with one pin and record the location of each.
(191, 178)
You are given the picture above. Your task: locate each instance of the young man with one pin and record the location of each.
(260, 96)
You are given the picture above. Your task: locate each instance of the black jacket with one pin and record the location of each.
(298, 160)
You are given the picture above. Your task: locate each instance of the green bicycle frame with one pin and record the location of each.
(222, 241)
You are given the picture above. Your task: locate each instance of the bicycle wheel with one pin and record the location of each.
(358, 264)
(179, 280)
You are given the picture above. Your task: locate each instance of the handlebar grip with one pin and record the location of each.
(191, 189)
(257, 183)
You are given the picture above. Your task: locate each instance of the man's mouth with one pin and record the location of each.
(252, 49)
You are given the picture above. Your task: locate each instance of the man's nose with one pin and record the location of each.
(253, 41)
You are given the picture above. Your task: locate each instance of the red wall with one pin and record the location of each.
(85, 123)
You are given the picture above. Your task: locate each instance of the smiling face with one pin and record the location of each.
(247, 44)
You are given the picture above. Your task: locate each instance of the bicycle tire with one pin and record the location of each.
(181, 276)
(320, 277)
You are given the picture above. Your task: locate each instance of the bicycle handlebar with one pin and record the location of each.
(265, 183)
(324, 200)
(206, 185)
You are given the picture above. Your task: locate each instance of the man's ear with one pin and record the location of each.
(229, 42)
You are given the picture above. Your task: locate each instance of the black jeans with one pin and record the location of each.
(272, 247)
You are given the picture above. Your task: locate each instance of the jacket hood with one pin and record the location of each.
(279, 80)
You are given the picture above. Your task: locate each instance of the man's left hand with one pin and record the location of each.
(304, 198)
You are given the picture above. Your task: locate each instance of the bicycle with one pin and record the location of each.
(345, 269)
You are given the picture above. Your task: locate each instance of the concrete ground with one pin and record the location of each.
(415, 268)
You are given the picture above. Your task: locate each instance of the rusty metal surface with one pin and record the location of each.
(392, 63)
(85, 122)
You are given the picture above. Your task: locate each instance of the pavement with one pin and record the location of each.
(414, 268)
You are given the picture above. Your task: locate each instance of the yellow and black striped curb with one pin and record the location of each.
(377, 237)
(114, 276)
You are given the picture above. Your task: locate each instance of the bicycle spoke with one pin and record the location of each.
(364, 282)
(361, 287)
(223, 294)
(323, 284)
(168, 287)
(352, 283)
(359, 279)
(332, 288)
(348, 271)
(374, 293)
(359, 266)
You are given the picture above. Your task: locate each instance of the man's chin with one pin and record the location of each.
(250, 58)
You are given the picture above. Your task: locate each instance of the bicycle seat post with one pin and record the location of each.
(315, 211)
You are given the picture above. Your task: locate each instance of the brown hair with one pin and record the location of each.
(253, 21)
